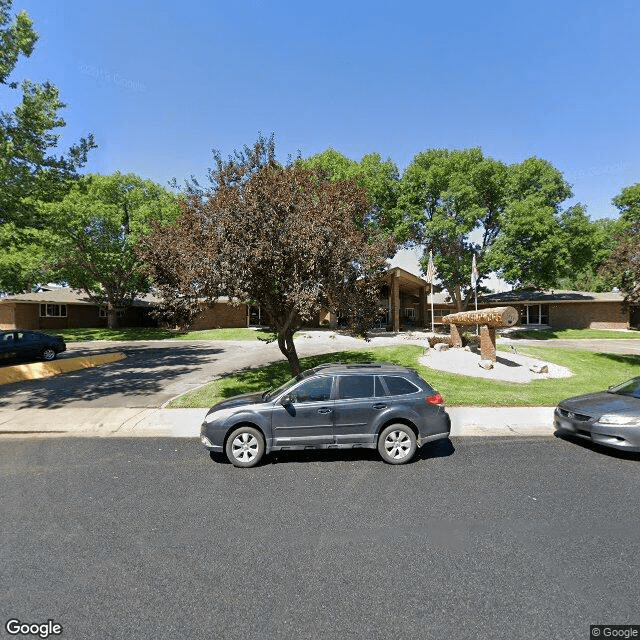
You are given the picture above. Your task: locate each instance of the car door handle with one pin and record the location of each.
(380, 405)
(324, 410)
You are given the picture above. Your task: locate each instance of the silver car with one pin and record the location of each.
(334, 406)
(610, 418)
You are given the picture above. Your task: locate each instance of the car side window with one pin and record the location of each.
(380, 390)
(314, 390)
(399, 386)
(8, 337)
(356, 387)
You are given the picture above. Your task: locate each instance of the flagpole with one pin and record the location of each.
(475, 289)
(474, 284)
(431, 272)
(432, 325)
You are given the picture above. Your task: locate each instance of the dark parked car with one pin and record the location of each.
(610, 418)
(340, 406)
(29, 345)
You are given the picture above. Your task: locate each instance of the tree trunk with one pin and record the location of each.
(288, 348)
(112, 315)
(457, 298)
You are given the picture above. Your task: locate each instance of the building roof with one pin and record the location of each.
(65, 295)
(556, 297)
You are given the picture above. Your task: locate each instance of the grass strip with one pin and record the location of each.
(592, 372)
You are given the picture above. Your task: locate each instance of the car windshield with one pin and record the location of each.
(267, 395)
(629, 388)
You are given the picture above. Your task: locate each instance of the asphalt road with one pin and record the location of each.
(479, 538)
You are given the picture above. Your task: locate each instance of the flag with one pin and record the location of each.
(431, 270)
(475, 274)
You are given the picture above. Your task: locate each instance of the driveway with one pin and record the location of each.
(155, 372)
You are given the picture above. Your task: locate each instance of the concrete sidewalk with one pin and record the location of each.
(185, 423)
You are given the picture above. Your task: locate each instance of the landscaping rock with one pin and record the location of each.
(441, 346)
(539, 368)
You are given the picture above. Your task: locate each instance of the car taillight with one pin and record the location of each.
(435, 399)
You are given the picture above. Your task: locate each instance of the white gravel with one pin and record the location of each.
(510, 367)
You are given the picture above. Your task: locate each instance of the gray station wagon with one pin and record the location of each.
(342, 406)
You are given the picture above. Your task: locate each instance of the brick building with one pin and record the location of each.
(405, 296)
(64, 308)
(567, 309)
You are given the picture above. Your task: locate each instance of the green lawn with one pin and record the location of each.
(593, 372)
(153, 333)
(577, 334)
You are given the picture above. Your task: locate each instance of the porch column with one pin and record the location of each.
(423, 302)
(395, 303)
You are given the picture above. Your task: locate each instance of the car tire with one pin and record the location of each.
(245, 447)
(48, 354)
(397, 444)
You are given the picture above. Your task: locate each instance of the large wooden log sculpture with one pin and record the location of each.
(494, 317)
(489, 320)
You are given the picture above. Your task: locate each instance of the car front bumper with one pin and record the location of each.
(624, 438)
(206, 441)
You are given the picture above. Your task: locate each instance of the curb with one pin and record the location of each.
(36, 370)
(501, 421)
(185, 423)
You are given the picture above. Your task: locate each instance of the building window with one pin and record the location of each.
(409, 312)
(438, 313)
(535, 314)
(53, 310)
(104, 314)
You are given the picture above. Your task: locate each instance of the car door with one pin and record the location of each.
(359, 401)
(27, 347)
(307, 420)
(8, 346)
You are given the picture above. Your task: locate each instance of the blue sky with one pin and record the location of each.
(162, 83)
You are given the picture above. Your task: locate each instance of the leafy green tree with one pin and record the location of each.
(446, 196)
(534, 245)
(595, 242)
(30, 170)
(461, 203)
(288, 239)
(379, 178)
(96, 228)
(628, 201)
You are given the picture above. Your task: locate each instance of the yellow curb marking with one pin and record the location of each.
(35, 370)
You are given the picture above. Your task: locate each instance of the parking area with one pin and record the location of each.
(155, 372)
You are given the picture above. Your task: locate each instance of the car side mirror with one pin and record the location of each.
(286, 400)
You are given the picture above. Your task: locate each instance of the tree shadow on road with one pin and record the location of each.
(143, 373)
